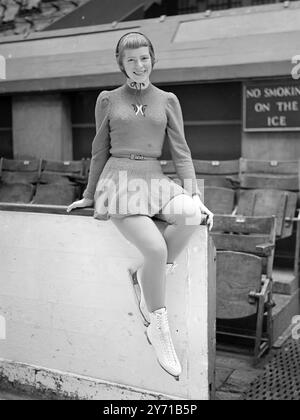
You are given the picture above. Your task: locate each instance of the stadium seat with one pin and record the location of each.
(19, 171)
(270, 202)
(281, 175)
(60, 194)
(217, 173)
(219, 200)
(16, 192)
(62, 172)
(245, 255)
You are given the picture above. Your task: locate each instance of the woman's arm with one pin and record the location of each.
(101, 144)
(179, 148)
(181, 155)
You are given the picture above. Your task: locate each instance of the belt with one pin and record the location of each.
(134, 156)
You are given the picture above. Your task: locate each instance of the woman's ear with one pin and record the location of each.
(123, 70)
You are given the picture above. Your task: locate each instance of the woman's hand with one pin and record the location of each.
(204, 210)
(85, 202)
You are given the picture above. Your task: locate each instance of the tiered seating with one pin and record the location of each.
(266, 189)
(253, 190)
(26, 16)
(41, 181)
(245, 254)
(272, 188)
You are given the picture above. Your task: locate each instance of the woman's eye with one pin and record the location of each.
(144, 59)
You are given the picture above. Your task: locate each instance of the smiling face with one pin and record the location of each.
(137, 64)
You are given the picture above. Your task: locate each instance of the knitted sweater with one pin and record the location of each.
(123, 126)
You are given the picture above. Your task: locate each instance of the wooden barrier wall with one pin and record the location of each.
(72, 326)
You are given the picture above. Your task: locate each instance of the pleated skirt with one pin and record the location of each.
(133, 187)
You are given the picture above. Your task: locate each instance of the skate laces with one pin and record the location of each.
(165, 336)
(171, 267)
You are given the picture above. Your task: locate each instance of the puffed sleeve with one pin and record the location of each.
(100, 145)
(179, 148)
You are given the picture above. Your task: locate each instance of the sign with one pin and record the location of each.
(272, 106)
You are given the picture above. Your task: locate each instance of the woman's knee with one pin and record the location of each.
(142, 232)
(156, 250)
(185, 211)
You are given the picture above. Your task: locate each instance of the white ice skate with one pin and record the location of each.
(158, 334)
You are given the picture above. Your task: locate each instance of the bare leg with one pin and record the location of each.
(142, 232)
(187, 217)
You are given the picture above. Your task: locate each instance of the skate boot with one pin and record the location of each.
(158, 334)
(135, 275)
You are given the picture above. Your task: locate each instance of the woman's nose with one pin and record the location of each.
(139, 65)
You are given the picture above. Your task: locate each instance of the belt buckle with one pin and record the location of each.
(136, 157)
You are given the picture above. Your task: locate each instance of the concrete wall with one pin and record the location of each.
(72, 325)
(42, 127)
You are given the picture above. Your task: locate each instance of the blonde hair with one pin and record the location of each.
(133, 40)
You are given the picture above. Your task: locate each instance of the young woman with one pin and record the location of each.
(132, 123)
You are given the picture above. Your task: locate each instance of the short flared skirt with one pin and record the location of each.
(133, 187)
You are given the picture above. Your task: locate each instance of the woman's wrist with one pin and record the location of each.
(88, 199)
(197, 200)
(197, 195)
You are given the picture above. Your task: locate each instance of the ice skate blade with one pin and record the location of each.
(135, 285)
(148, 338)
